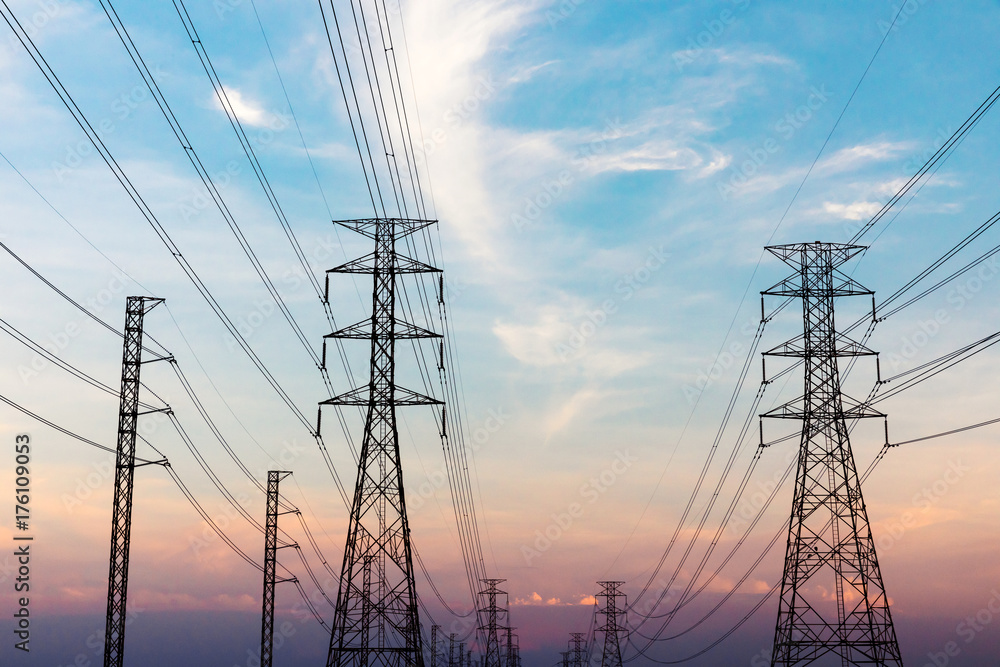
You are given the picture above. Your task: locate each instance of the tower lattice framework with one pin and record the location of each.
(833, 608)
(121, 520)
(491, 630)
(376, 623)
(512, 648)
(274, 478)
(614, 624)
(579, 649)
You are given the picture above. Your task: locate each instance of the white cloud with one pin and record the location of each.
(568, 411)
(333, 151)
(527, 73)
(536, 343)
(248, 111)
(718, 162)
(854, 157)
(567, 334)
(660, 154)
(859, 210)
(449, 44)
(483, 172)
(848, 159)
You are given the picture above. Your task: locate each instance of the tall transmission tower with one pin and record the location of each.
(121, 519)
(274, 477)
(830, 551)
(451, 651)
(614, 623)
(376, 622)
(492, 612)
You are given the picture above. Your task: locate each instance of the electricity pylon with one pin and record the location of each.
(435, 654)
(270, 567)
(614, 624)
(833, 607)
(121, 520)
(376, 623)
(579, 640)
(492, 628)
(513, 648)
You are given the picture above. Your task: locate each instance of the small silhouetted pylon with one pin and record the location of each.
(451, 651)
(435, 654)
(492, 611)
(833, 608)
(512, 651)
(121, 520)
(579, 641)
(270, 567)
(565, 658)
(614, 622)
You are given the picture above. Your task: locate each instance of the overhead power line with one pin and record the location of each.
(963, 429)
(66, 98)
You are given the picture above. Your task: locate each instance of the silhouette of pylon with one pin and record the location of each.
(833, 608)
(375, 622)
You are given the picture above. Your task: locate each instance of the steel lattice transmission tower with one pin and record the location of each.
(274, 477)
(435, 653)
(376, 622)
(493, 612)
(614, 624)
(579, 651)
(121, 520)
(512, 653)
(830, 551)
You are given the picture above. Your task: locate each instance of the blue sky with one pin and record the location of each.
(606, 176)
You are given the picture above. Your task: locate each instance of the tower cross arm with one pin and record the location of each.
(400, 226)
(843, 347)
(401, 330)
(402, 264)
(798, 409)
(362, 396)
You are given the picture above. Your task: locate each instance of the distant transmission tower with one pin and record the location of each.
(492, 612)
(833, 608)
(579, 640)
(121, 521)
(435, 653)
(376, 622)
(614, 623)
(274, 477)
(513, 650)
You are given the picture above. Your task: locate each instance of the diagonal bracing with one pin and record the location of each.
(833, 608)
(376, 622)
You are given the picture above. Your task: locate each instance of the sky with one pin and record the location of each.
(606, 176)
